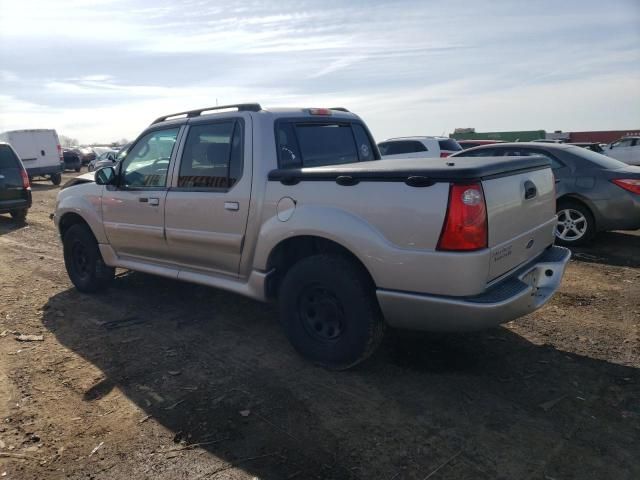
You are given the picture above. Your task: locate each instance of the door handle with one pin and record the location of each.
(232, 206)
(151, 201)
(530, 190)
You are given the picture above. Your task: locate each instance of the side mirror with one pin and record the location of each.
(105, 176)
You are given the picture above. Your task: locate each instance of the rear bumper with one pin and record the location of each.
(7, 206)
(526, 290)
(41, 171)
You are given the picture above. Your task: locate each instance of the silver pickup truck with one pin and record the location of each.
(296, 205)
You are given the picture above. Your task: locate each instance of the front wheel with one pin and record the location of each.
(329, 311)
(576, 225)
(83, 260)
(56, 178)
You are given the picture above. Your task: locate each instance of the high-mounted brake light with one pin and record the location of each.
(320, 111)
(629, 184)
(465, 226)
(25, 179)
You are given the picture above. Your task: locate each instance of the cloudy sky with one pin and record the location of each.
(100, 70)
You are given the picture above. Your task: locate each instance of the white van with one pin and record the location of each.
(39, 151)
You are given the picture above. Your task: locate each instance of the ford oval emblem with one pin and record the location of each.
(530, 243)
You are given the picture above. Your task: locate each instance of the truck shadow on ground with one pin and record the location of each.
(215, 369)
(8, 224)
(611, 248)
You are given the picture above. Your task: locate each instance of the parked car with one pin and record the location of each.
(72, 159)
(40, 152)
(593, 146)
(418, 147)
(296, 205)
(627, 150)
(88, 155)
(15, 189)
(594, 192)
(107, 158)
(476, 143)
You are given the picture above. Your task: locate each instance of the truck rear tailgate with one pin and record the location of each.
(521, 218)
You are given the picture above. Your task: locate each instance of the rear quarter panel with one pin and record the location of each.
(392, 228)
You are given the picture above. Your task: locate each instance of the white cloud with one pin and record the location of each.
(103, 69)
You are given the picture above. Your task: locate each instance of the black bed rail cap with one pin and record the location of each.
(240, 107)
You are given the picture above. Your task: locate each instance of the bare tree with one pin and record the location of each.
(67, 141)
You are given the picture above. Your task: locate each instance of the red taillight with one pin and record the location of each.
(25, 179)
(320, 111)
(465, 226)
(60, 153)
(444, 154)
(629, 184)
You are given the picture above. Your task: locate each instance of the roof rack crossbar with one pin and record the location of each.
(340, 109)
(241, 107)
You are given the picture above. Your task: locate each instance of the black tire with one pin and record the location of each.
(19, 216)
(578, 208)
(56, 178)
(77, 169)
(329, 311)
(83, 260)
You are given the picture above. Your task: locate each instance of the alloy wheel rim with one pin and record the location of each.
(571, 226)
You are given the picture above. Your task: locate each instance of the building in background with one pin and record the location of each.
(516, 136)
(599, 136)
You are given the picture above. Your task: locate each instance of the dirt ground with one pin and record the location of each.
(160, 379)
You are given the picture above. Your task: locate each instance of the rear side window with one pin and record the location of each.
(8, 159)
(400, 147)
(212, 156)
(449, 144)
(313, 144)
(481, 152)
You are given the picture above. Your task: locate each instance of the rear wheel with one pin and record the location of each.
(20, 216)
(77, 169)
(329, 311)
(576, 225)
(56, 178)
(83, 260)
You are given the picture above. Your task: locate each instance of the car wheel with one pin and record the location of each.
(77, 169)
(20, 216)
(576, 225)
(56, 178)
(329, 311)
(83, 260)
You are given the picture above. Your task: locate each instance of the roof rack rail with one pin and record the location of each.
(340, 109)
(241, 107)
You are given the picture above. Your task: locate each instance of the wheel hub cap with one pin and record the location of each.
(321, 313)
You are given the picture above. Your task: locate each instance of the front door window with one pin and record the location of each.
(147, 163)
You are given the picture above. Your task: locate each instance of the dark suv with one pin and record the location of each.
(15, 190)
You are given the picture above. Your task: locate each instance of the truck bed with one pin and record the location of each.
(421, 171)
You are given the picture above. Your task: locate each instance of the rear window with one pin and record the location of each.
(400, 147)
(595, 158)
(449, 144)
(314, 144)
(7, 158)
